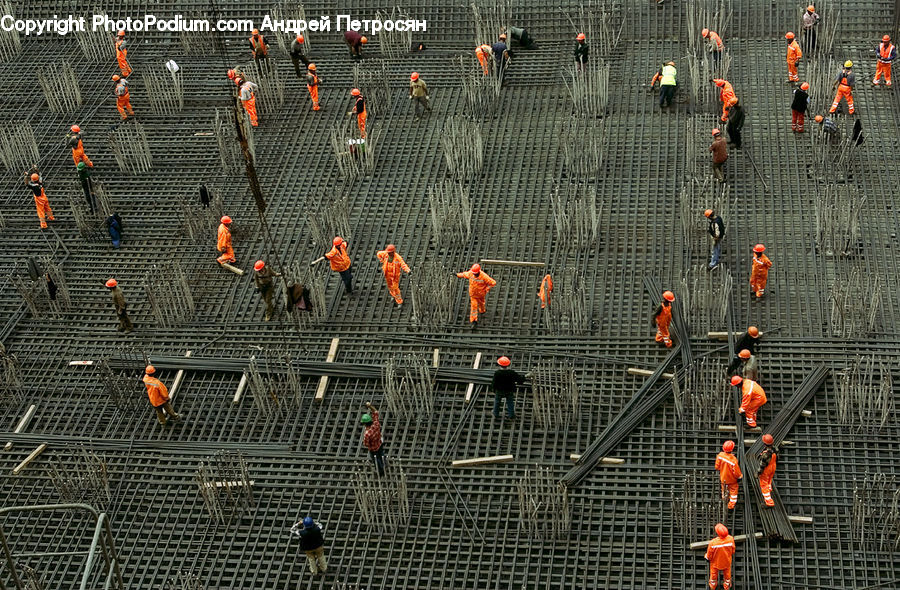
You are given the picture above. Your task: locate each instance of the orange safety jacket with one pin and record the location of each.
(479, 284)
(392, 268)
(258, 45)
(156, 391)
(224, 238)
(886, 53)
(338, 257)
(720, 551)
(793, 52)
(753, 395)
(728, 468)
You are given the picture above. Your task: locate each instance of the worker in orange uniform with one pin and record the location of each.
(340, 263)
(484, 55)
(545, 290)
(73, 140)
(719, 553)
(845, 82)
(123, 97)
(662, 317)
(793, 56)
(714, 44)
(766, 460)
(223, 243)
(753, 397)
(392, 265)
(759, 274)
(40, 198)
(359, 109)
(258, 46)
(248, 99)
(159, 396)
(726, 95)
(122, 54)
(887, 53)
(312, 84)
(479, 285)
(729, 472)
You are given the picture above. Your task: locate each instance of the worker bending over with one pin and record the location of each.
(159, 396)
(753, 397)
(73, 140)
(668, 83)
(340, 262)
(726, 95)
(123, 97)
(714, 44)
(223, 241)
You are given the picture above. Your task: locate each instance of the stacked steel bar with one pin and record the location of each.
(682, 329)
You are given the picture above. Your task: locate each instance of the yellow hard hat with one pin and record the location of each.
(848, 64)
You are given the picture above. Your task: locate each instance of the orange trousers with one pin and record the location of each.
(250, 107)
(476, 306)
(394, 289)
(765, 484)
(793, 76)
(662, 334)
(78, 155)
(732, 492)
(227, 255)
(43, 208)
(483, 60)
(361, 123)
(882, 69)
(846, 93)
(750, 415)
(758, 281)
(726, 105)
(714, 577)
(123, 64)
(123, 103)
(314, 95)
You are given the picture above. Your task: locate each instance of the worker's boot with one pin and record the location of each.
(473, 324)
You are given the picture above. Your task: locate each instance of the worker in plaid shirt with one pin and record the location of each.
(372, 438)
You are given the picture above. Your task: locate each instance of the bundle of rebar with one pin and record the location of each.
(701, 400)
(223, 481)
(165, 90)
(185, 581)
(865, 398)
(875, 514)
(10, 378)
(463, 147)
(18, 147)
(714, 15)
(169, 294)
(568, 310)
(554, 395)
(825, 29)
(60, 87)
(200, 42)
(10, 42)
(584, 145)
(383, 500)
(265, 398)
(330, 220)
(451, 213)
(199, 221)
(355, 156)
(432, 285)
(837, 220)
(123, 389)
(481, 93)
(490, 19)
(80, 478)
(394, 43)
(409, 386)
(544, 509)
(588, 87)
(703, 297)
(270, 96)
(42, 294)
(695, 507)
(97, 44)
(287, 10)
(373, 80)
(855, 302)
(230, 155)
(576, 215)
(129, 145)
(602, 22)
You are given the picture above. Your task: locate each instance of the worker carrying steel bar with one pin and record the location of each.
(359, 109)
(793, 57)
(73, 140)
(799, 108)
(479, 285)
(668, 83)
(750, 367)
(484, 53)
(248, 99)
(845, 82)
(312, 543)
(392, 265)
(719, 155)
(716, 231)
(719, 553)
(726, 95)
(753, 397)
(714, 44)
(662, 317)
(122, 54)
(748, 341)
(545, 291)
(759, 272)
(223, 241)
(418, 91)
(372, 437)
(258, 47)
(264, 281)
(118, 299)
(729, 473)
(298, 56)
(810, 21)
(582, 52)
(159, 397)
(312, 85)
(504, 383)
(36, 185)
(887, 53)
(123, 96)
(766, 470)
(355, 42)
(340, 262)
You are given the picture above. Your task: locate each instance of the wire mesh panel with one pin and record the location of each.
(223, 481)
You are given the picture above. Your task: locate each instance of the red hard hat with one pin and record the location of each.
(728, 446)
(300, 39)
(721, 530)
(744, 354)
(112, 283)
(355, 92)
(391, 248)
(115, 78)
(225, 219)
(753, 331)
(804, 86)
(121, 33)
(716, 131)
(759, 248)
(337, 241)
(476, 268)
(35, 177)
(231, 74)
(259, 265)
(668, 296)
(503, 361)
(580, 37)
(414, 76)
(705, 33)
(75, 128)
(364, 40)
(886, 38)
(719, 82)
(737, 380)
(789, 35)
(150, 369)
(768, 439)
(708, 213)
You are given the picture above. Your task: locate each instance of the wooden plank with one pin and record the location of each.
(801, 519)
(482, 461)
(233, 269)
(646, 373)
(81, 363)
(604, 460)
(179, 377)
(512, 262)
(34, 454)
(737, 539)
(436, 361)
(806, 413)
(240, 390)
(323, 380)
(22, 424)
(471, 388)
(727, 428)
(229, 484)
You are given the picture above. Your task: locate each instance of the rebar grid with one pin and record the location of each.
(200, 42)
(544, 509)
(704, 297)
(330, 220)
(409, 387)
(463, 148)
(554, 395)
(355, 157)
(694, 506)
(270, 97)
(223, 481)
(855, 302)
(569, 307)
(10, 379)
(46, 294)
(97, 45)
(701, 400)
(18, 147)
(481, 93)
(128, 143)
(584, 143)
(165, 90)
(576, 215)
(185, 581)
(865, 397)
(200, 221)
(10, 41)
(169, 294)
(875, 514)
(432, 284)
(33, 578)
(81, 477)
(60, 87)
(588, 87)
(451, 214)
(382, 500)
(838, 212)
(373, 81)
(230, 155)
(394, 43)
(602, 22)
(265, 397)
(490, 19)
(55, 286)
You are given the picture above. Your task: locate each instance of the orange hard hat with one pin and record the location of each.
(225, 219)
(414, 76)
(503, 361)
(721, 530)
(121, 33)
(259, 265)
(811, 8)
(112, 283)
(580, 37)
(705, 32)
(337, 241)
(716, 132)
(886, 38)
(503, 36)
(759, 248)
(819, 118)
(364, 40)
(728, 446)
(789, 35)
(768, 439)
(476, 268)
(75, 128)
(231, 74)
(115, 78)
(753, 331)
(355, 92)
(719, 82)
(744, 354)
(256, 31)
(804, 86)
(708, 213)
(35, 177)
(300, 39)
(668, 296)
(311, 67)
(391, 248)
(150, 369)
(737, 380)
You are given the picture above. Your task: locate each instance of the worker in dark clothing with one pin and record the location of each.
(504, 384)
(522, 38)
(84, 176)
(667, 76)
(748, 341)
(264, 280)
(582, 49)
(119, 304)
(501, 56)
(355, 41)
(830, 129)
(750, 368)
(716, 231)
(720, 155)
(312, 543)
(799, 108)
(735, 123)
(113, 225)
(373, 440)
(298, 57)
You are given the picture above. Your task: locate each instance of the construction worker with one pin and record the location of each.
(726, 95)
(504, 383)
(750, 368)
(735, 123)
(545, 291)
(810, 20)
(799, 107)
(887, 53)
(793, 56)
(123, 97)
(668, 83)
(766, 471)
(159, 396)
(502, 56)
(73, 140)
(355, 41)
(372, 437)
(729, 473)
(258, 47)
(312, 84)
(41, 203)
(719, 553)
(118, 299)
(714, 44)
(484, 53)
(748, 341)
(122, 54)
(759, 273)
(716, 231)
(845, 82)
(753, 397)
(830, 129)
(84, 177)
(223, 242)
(248, 99)
(662, 317)
(479, 285)
(719, 155)
(312, 543)
(582, 51)
(340, 263)
(298, 56)
(264, 281)
(522, 38)
(418, 91)
(391, 266)
(359, 109)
